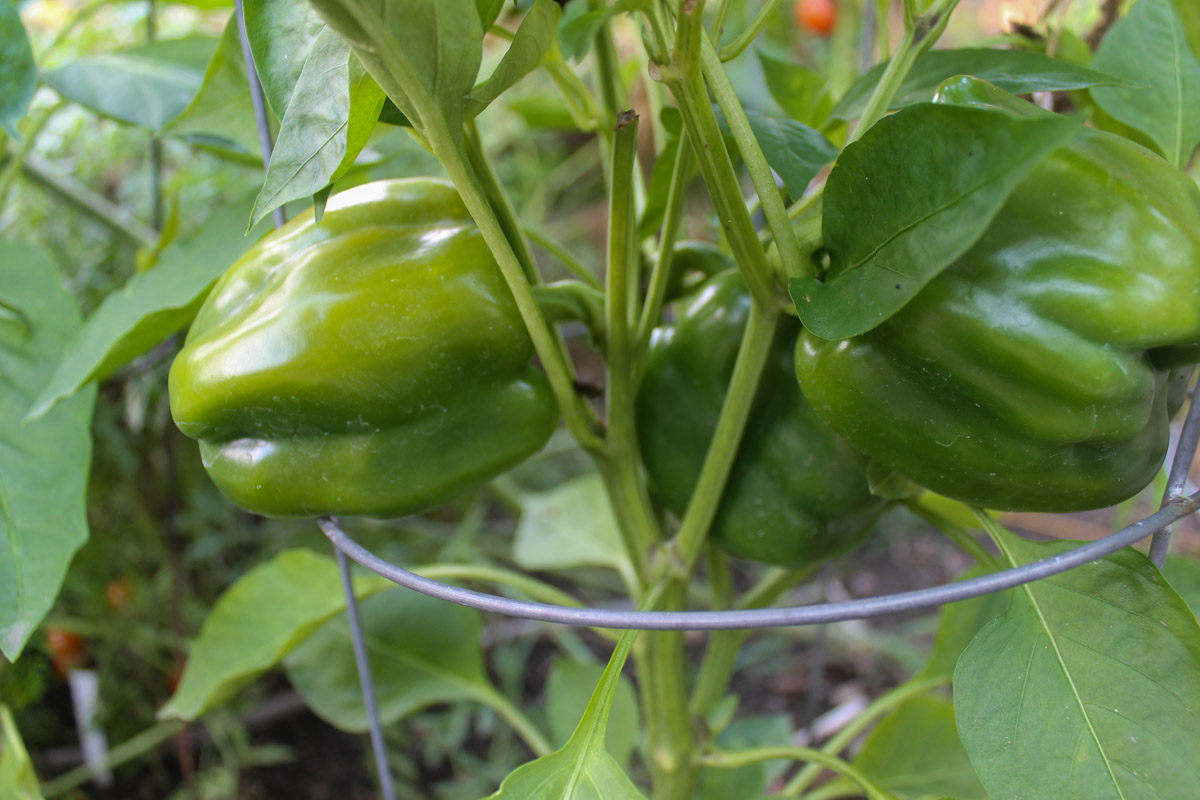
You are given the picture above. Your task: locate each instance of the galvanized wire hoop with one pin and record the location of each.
(1175, 506)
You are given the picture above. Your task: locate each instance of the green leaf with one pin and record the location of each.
(572, 525)
(1087, 686)
(257, 621)
(752, 780)
(18, 781)
(420, 51)
(1015, 71)
(333, 99)
(130, 88)
(1149, 48)
(44, 464)
(581, 769)
(18, 78)
(222, 106)
(489, 10)
(795, 151)
(915, 753)
(149, 308)
(1183, 573)
(281, 35)
(910, 197)
(532, 40)
(1188, 12)
(567, 689)
(802, 93)
(423, 651)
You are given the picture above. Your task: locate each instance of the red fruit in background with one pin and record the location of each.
(818, 16)
(118, 593)
(66, 649)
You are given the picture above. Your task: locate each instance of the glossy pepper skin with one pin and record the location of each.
(1039, 371)
(797, 494)
(372, 364)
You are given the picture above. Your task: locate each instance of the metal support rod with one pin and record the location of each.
(365, 679)
(257, 100)
(767, 617)
(1181, 465)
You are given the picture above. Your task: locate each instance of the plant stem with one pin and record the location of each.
(759, 754)
(499, 201)
(113, 217)
(842, 739)
(955, 533)
(660, 276)
(516, 720)
(756, 163)
(747, 37)
(577, 266)
(126, 751)
(921, 31)
(669, 725)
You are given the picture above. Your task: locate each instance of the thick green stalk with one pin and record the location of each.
(499, 200)
(670, 734)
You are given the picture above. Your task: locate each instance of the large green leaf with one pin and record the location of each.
(18, 77)
(582, 769)
(148, 309)
(915, 753)
(1087, 686)
(43, 464)
(423, 651)
(908, 198)
(332, 112)
(568, 687)
(138, 88)
(222, 107)
(1183, 573)
(1015, 71)
(1149, 47)
(533, 39)
(18, 781)
(1188, 12)
(281, 34)
(256, 622)
(572, 525)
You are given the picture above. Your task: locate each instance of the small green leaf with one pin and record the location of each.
(580, 26)
(915, 753)
(1014, 71)
(572, 525)
(333, 100)
(489, 10)
(423, 651)
(802, 93)
(795, 151)
(18, 78)
(222, 107)
(910, 197)
(529, 45)
(1087, 686)
(582, 769)
(18, 781)
(134, 89)
(1149, 48)
(148, 309)
(257, 621)
(281, 35)
(44, 464)
(567, 689)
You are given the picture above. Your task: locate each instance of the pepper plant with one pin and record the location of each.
(970, 271)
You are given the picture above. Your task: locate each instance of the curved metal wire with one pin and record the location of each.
(764, 617)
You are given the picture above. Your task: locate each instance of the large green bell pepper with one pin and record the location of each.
(1041, 369)
(374, 363)
(798, 493)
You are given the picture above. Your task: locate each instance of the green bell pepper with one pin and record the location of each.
(798, 493)
(374, 363)
(1041, 369)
